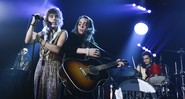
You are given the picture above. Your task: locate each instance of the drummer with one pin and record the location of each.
(147, 60)
(144, 73)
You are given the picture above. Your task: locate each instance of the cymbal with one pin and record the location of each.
(125, 71)
(180, 51)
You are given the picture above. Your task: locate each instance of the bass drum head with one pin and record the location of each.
(156, 80)
(135, 89)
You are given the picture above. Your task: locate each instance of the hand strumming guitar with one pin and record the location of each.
(121, 62)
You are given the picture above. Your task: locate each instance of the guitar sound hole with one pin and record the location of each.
(93, 70)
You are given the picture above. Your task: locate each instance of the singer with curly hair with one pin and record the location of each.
(51, 40)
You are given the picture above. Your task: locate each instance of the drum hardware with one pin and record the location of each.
(118, 75)
(181, 52)
(99, 92)
(181, 73)
(177, 92)
(165, 90)
(107, 89)
(111, 91)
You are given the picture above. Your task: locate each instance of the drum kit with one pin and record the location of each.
(130, 86)
(159, 84)
(126, 84)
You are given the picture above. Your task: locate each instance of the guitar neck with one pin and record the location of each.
(105, 66)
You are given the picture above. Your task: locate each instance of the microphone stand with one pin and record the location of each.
(32, 55)
(31, 70)
(102, 50)
(33, 50)
(101, 87)
(32, 58)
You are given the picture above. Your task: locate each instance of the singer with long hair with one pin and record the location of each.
(81, 45)
(51, 39)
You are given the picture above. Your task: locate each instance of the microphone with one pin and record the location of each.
(90, 30)
(38, 17)
(89, 37)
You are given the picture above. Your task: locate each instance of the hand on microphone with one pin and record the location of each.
(121, 62)
(38, 17)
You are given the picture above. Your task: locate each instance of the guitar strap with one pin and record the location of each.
(63, 59)
(64, 81)
(65, 88)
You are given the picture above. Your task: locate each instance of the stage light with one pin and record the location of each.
(146, 49)
(143, 48)
(139, 45)
(141, 28)
(154, 55)
(149, 11)
(139, 7)
(133, 4)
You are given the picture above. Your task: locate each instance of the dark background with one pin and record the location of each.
(114, 21)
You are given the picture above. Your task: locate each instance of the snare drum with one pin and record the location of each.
(156, 74)
(135, 89)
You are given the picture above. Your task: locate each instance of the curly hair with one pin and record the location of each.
(55, 11)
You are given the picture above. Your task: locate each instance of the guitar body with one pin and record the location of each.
(79, 79)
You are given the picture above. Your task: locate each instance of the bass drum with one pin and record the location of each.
(156, 74)
(135, 89)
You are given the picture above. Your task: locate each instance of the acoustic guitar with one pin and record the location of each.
(84, 75)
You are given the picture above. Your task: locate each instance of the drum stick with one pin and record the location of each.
(166, 71)
(133, 62)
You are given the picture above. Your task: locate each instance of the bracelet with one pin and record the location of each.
(32, 24)
(87, 50)
(44, 43)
